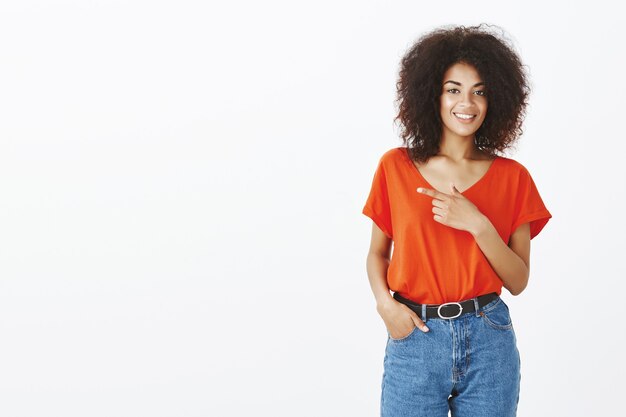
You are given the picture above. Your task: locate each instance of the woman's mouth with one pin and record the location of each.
(464, 117)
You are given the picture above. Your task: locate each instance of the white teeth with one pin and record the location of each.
(464, 116)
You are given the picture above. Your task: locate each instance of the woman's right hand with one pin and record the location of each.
(399, 318)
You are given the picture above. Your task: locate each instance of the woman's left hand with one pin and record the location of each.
(454, 209)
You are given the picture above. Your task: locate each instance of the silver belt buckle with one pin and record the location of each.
(445, 304)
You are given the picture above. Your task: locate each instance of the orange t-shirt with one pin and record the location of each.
(433, 263)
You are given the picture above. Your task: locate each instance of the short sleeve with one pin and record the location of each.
(529, 207)
(377, 206)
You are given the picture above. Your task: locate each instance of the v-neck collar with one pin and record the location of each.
(480, 180)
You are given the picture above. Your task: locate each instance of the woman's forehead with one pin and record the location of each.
(462, 73)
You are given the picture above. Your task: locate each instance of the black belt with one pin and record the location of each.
(447, 310)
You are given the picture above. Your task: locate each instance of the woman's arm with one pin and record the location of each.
(378, 259)
(512, 262)
(399, 319)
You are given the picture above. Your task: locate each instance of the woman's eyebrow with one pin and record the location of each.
(458, 83)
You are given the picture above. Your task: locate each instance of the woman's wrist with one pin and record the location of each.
(482, 226)
(383, 300)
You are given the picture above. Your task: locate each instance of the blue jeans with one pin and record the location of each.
(468, 365)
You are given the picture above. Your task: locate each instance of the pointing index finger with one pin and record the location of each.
(430, 192)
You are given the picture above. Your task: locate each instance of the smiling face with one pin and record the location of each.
(463, 104)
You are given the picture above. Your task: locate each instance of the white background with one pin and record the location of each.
(181, 186)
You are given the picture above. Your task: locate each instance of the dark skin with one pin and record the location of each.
(398, 318)
(458, 160)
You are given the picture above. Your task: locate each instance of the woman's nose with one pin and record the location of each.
(466, 98)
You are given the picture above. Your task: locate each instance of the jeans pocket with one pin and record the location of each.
(497, 316)
(404, 337)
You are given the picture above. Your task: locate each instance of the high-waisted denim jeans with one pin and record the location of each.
(468, 365)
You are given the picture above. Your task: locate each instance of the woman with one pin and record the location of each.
(460, 217)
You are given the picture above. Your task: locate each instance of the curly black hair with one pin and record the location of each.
(421, 76)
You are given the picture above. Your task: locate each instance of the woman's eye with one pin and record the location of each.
(482, 92)
(452, 89)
